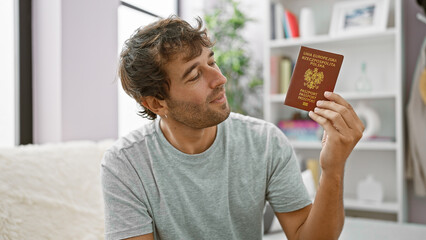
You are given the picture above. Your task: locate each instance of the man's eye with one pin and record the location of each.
(213, 63)
(194, 78)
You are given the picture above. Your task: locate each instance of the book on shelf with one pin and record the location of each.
(291, 27)
(283, 22)
(278, 12)
(285, 74)
(281, 70)
(275, 73)
(272, 20)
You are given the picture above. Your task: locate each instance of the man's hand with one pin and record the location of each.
(342, 130)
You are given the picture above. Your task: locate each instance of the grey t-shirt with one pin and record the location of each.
(150, 186)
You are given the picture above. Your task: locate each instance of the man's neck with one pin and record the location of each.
(186, 139)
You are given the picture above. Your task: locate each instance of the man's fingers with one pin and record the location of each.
(335, 118)
(339, 104)
(326, 124)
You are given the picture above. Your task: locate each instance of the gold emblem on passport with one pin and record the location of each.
(313, 78)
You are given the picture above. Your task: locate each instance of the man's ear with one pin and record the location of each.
(154, 104)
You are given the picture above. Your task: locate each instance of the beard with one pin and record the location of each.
(198, 115)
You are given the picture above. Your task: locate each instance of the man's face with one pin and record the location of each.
(197, 91)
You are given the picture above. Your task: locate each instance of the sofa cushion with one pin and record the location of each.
(52, 191)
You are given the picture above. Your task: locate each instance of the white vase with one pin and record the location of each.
(307, 23)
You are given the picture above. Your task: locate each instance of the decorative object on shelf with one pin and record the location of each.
(225, 23)
(363, 83)
(307, 23)
(370, 190)
(370, 118)
(357, 17)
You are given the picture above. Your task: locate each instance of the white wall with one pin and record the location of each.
(8, 118)
(75, 62)
(47, 70)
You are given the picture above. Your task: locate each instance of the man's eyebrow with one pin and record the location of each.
(189, 70)
(194, 66)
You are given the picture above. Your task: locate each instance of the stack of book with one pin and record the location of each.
(284, 22)
(300, 130)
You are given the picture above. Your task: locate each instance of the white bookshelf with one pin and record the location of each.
(382, 53)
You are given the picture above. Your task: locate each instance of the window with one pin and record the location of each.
(8, 83)
(133, 14)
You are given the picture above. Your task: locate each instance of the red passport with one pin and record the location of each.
(315, 72)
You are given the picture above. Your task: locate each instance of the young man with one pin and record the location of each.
(201, 172)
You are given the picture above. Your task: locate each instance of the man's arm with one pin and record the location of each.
(148, 236)
(342, 130)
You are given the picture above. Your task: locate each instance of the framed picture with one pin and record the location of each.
(355, 17)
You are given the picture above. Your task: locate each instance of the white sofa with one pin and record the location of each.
(52, 191)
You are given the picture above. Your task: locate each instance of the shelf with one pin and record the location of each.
(362, 145)
(386, 207)
(370, 95)
(373, 145)
(279, 98)
(382, 52)
(388, 34)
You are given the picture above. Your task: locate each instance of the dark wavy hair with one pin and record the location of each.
(142, 60)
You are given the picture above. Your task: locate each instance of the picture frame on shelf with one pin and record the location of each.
(358, 17)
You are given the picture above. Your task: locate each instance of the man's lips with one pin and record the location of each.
(220, 99)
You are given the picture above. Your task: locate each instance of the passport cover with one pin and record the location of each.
(315, 72)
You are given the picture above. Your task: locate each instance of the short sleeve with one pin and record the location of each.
(285, 191)
(126, 214)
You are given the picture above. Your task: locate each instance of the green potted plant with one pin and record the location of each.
(225, 23)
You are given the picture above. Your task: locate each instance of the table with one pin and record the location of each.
(366, 229)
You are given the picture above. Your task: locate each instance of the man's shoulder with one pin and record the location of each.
(135, 139)
(249, 122)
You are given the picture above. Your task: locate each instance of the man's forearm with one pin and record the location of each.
(326, 218)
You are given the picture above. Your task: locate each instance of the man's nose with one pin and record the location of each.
(216, 78)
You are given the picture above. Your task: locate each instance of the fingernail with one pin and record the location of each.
(319, 103)
(316, 109)
(310, 113)
(327, 93)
